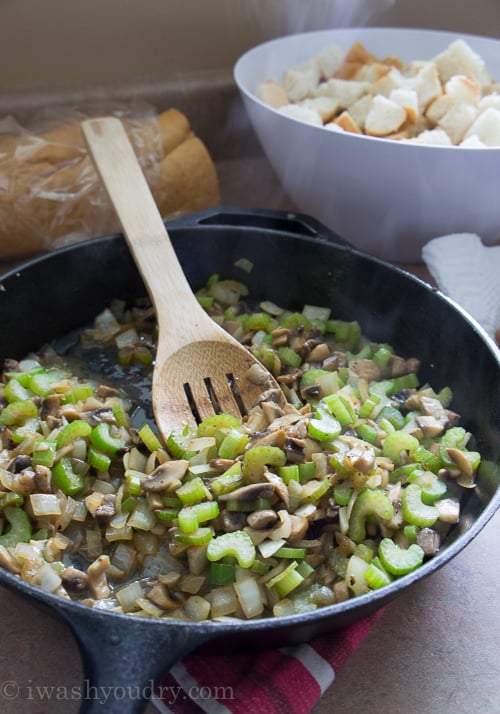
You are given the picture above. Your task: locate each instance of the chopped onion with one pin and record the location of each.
(250, 596)
(47, 578)
(197, 608)
(224, 601)
(45, 504)
(128, 596)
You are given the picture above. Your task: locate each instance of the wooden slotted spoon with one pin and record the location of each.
(200, 369)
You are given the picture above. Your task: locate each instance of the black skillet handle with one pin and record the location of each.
(263, 218)
(125, 657)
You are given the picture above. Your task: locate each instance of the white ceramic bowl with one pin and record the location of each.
(386, 197)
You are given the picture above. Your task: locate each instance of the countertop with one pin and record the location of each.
(434, 649)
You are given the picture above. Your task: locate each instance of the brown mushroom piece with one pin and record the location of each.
(257, 374)
(428, 540)
(295, 450)
(252, 492)
(167, 476)
(273, 438)
(74, 580)
(97, 580)
(105, 512)
(263, 519)
(233, 521)
(279, 486)
(50, 406)
(366, 369)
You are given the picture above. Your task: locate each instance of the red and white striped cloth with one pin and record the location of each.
(290, 679)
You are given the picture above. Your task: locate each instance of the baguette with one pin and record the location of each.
(50, 194)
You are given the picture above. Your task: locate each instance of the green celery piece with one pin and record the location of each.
(433, 488)
(190, 517)
(368, 502)
(44, 452)
(324, 426)
(102, 440)
(222, 573)
(78, 429)
(201, 536)
(415, 511)
(192, 491)
(375, 577)
(237, 544)
(399, 442)
(258, 457)
(233, 444)
(11, 498)
(20, 527)
(18, 412)
(149, 438)
(228, 481)
(65, 478)
(398, 561)
(212, 425)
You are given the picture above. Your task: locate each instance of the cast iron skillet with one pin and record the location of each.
(296, 260)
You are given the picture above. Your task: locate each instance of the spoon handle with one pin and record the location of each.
(142, 224)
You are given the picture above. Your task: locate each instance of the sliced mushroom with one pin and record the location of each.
(299, 526)
(18, 463)
(74, 580)
(461, 460)
(167, 476)
(263, 519)
(273, 438)
(43, 478)
(257, 374)
(430, 425)
(233, 520)
(271, 411)
(252, 492)
(428, 540)
(221, 464)
(279, 486)
(97, 580)
(360, 458)
(319, 353)
(295, 450)
(50, 406)
(366, 369)
(103, 391)
(105, 512)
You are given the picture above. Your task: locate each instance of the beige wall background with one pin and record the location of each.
(63, 45)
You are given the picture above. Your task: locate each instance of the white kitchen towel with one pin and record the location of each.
(468, 272)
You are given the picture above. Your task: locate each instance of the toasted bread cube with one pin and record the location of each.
(360, 108)
(460, 58)
(272, 94)
(427, 85)
(438, 108)
(394, 79)
(473, 142)
(407, 98)
(347, 123)
(301, 80)
(490, 100)
(457, 120)
(464, 89)
(371, 72)
(329, 60)
(302, 113)
(327, 107)
(385, 117)
(355, 57)
(486, 127)
(344, 91)
(332, 126)
(435, 137)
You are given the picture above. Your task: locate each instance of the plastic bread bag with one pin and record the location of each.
(49, 191)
